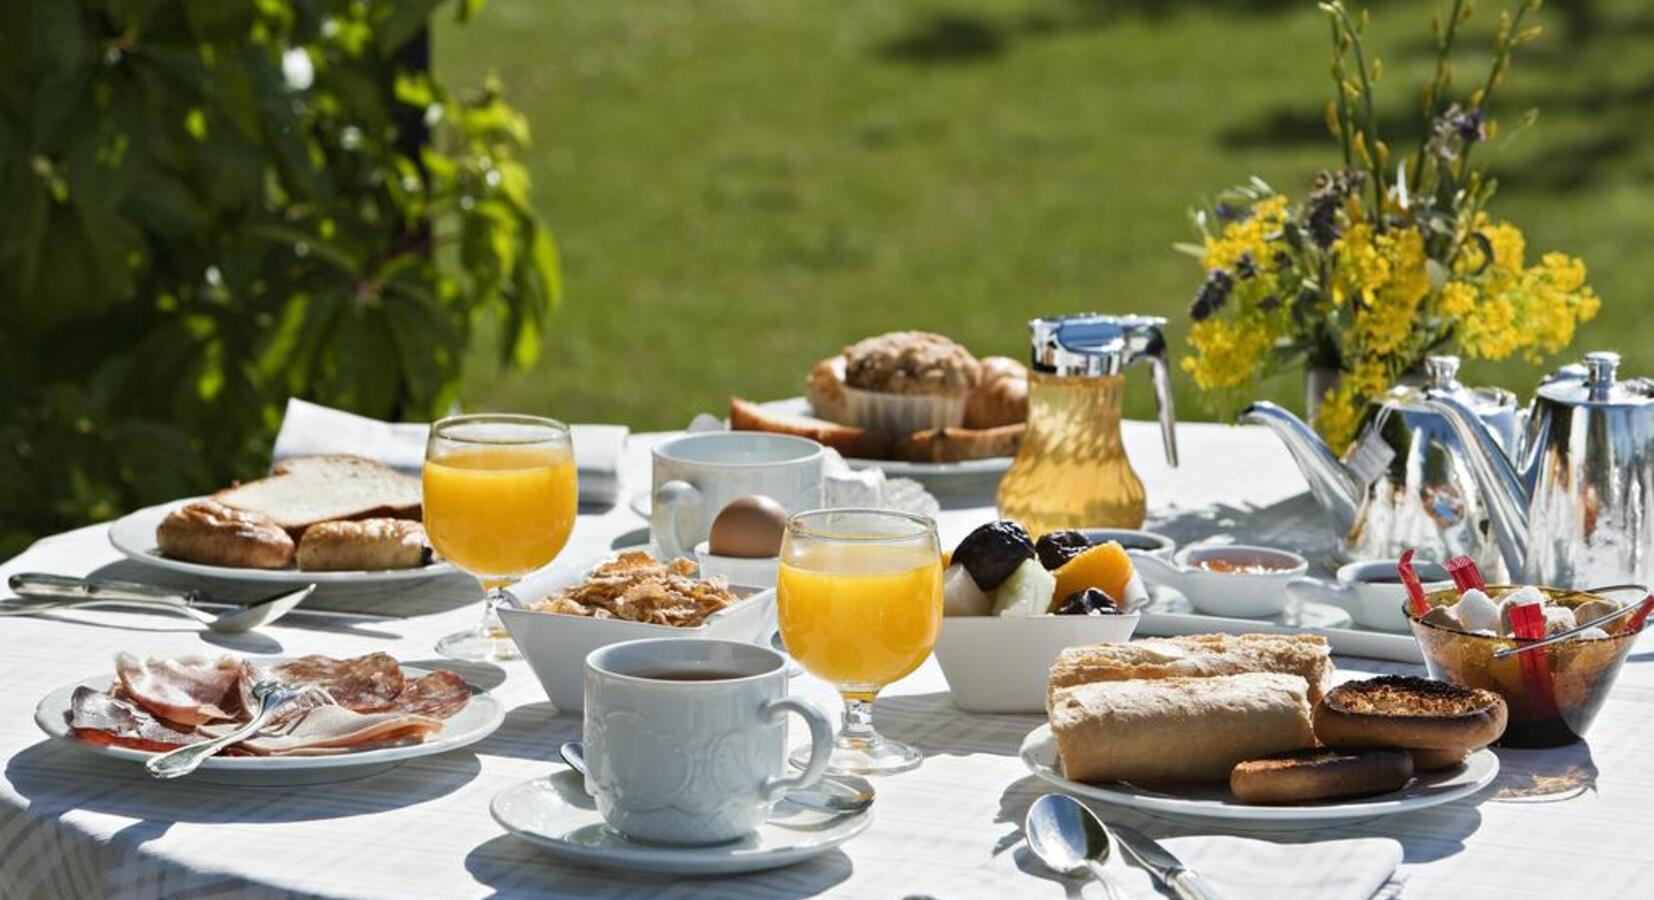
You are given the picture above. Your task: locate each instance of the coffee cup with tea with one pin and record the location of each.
(686, 739)
(1371, 592)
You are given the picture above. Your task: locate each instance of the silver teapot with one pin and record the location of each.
(1406, 481)
(1574, 511)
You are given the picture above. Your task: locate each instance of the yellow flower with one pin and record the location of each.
(1337, 417)
(1384, 277)
(1229, 353)
(1247, 237)
(1456, 299)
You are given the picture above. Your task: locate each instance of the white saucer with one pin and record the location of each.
(1215, 804)
(555, 813)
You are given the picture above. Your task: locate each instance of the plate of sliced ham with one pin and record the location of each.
(374, 714)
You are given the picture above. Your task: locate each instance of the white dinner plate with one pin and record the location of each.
(476, 721)
(134, 535)
(555, 813)
(1214, 803)
(946, 477)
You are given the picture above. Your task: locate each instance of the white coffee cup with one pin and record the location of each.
(696, 475)
(1370, 591)
(686, 739)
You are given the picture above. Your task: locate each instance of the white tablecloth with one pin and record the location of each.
(1558, 823)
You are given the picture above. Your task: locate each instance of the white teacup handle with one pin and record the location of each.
(1326, 592)
(671, 501)
(821, 745)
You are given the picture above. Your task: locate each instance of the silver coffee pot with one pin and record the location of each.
(1573, 509)
(1406, 481)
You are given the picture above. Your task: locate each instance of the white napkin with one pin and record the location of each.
(1238, 868)
(309, 428)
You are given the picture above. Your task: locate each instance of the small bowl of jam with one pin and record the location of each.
(1554, 692)
(1230, 580)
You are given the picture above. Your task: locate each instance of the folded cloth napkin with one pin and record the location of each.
(308, 429)
(1237, 868)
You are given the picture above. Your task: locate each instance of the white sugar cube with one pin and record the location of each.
(1590, 633)
(1558, 618)
(1476, 611)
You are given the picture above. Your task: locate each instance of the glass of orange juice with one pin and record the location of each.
(500, 498)
(859, 598)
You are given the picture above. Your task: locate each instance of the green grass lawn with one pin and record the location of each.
(740, 187)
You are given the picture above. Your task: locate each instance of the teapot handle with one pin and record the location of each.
(1150, 344)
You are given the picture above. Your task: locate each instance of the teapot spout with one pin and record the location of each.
(1331, 483)
(1496, 478)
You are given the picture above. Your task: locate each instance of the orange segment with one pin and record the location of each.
(1104, 566)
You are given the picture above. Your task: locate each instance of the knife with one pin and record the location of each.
(1167, 868)
(36, 585)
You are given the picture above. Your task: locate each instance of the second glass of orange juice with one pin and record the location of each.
(500, 501)
(859, 599)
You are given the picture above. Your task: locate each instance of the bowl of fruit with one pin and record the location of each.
(1011, 604)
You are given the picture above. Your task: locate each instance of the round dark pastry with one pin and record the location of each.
(1089, 602)
(993, 551)
(1438, 760)
(1304, 776)
(1411, 713)
(1059, 547)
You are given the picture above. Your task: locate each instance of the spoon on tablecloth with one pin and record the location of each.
(1069, 839)
(835, 795)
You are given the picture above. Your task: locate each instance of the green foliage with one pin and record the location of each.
(211, 206)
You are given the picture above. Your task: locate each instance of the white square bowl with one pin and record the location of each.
(555, 644)
(1000, 664)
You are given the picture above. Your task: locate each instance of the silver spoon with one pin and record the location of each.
(1561, 636)
(835, 796)
(44, 593)
(1069, 839)
(270, 695)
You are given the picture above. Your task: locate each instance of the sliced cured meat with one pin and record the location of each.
(98, 718)
(334, 729)
(364, 684)
(188, 691)
(439, 694)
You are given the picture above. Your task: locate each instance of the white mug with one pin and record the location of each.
(695, 475)
(686, 739)
(1363, 590)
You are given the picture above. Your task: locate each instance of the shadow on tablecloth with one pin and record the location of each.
(513, 868)
(531, 731)
(1295, 524)
(933, 724)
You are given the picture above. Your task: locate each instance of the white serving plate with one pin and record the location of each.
(555, 813)
(1000, 664)
(1214, 804)
(947, 477)
(476, 721)
(1169, 614)
(556, 645)
(134, 536)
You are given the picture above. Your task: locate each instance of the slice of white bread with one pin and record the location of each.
(1198, 656)
(305, 490)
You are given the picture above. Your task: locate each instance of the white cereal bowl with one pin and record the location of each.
(1000, 664)
(1241, 595)
(738, 570)
(555, 645)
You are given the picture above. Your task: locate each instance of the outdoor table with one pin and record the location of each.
(1557, 823)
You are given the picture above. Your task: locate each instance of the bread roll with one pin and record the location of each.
(956, 444)
(1198, 656)
(1001, 394)
(213, 534)
(824, 388)
(363, 544)
(1177, 729)
(1308, 775)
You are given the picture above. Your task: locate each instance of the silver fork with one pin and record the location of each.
(270, 696)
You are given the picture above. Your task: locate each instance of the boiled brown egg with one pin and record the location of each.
(749, 527)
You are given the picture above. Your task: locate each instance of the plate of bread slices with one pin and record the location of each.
(327, 519)
(915, 404)
(1250, 730)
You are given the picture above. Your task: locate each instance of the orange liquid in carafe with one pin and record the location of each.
(1072, 470)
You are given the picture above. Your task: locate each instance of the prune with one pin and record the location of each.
(992, 552)
(1059, 547)
(1089, 602)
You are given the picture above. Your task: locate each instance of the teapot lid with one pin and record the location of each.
(1593, 384)
(1441, 376)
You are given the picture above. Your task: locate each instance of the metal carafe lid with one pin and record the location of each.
(1092, 345)
(1594, 384)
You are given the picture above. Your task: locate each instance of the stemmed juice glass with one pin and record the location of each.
(500, 498)
(859, 599)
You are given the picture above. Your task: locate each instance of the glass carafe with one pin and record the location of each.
(1072, 470)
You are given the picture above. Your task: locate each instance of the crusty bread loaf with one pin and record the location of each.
(957, 444)
(305, 490)
(1000, 396)
(213, 534)
(1177, 729)
(858, 443)
(363, 545)
(1198, 656)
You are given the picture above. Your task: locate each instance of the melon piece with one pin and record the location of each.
(961, 596)
(1105, 566)
(1027, 592)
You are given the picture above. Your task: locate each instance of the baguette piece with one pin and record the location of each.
(1177, 729)
(305, 490)
(744, 415)
(956, 444)
(1198, 656)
